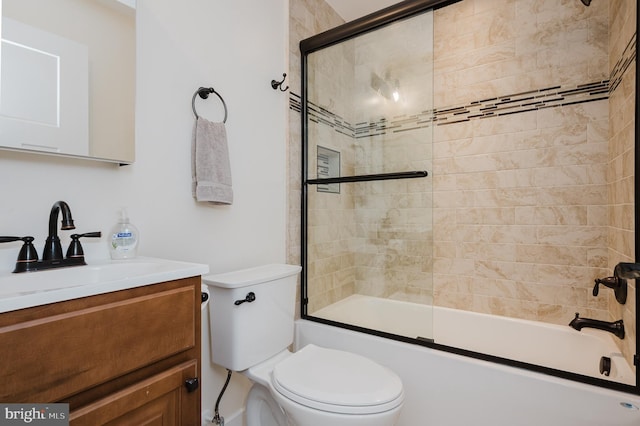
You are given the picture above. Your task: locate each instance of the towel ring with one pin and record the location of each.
(203, 92)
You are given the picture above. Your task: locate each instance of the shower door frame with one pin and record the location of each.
(402, 10)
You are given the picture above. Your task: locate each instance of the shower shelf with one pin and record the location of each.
(365, 178)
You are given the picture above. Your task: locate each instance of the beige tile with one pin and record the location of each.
(528, 209)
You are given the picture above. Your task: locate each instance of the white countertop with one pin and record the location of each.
(28, 289)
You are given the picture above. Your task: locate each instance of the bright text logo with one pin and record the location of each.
(37, 414)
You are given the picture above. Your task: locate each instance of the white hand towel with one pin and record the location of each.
(211, 170)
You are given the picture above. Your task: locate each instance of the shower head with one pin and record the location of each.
(385, 87)
(586, 2)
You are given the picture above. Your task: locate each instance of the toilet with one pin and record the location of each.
(251, 314)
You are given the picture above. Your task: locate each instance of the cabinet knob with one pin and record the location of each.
(192, 384)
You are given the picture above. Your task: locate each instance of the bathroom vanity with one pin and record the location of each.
(119, 357)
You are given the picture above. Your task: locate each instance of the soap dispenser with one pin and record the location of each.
(123, 243)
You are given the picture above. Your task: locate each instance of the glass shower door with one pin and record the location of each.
(367, 191)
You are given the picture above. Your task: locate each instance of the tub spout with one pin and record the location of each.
(615, 327)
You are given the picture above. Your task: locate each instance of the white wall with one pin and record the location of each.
(237, 47)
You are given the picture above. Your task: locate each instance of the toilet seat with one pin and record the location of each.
(337, 381)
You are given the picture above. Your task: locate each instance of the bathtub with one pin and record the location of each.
(520, 340)
(445, 389)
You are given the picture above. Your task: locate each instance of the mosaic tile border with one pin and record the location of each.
(620, 68)
(522, 102)
(549, 97)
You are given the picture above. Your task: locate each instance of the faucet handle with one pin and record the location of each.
(75, 248)
(618, 285)
(28, 252)
(96, 234)
(28, 256)
(610, 282)
(9, 239)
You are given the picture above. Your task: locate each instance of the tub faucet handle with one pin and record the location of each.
(610, 282)
(618, 285)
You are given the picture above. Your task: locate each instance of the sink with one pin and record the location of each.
(28, 289)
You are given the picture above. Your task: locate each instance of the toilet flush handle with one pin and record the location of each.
(251, 296)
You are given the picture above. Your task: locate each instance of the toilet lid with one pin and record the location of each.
(337, 381)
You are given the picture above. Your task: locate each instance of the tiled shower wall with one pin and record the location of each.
(532, 176)
(520, 189)
(533, 186)
(306, 18)
(331, 270)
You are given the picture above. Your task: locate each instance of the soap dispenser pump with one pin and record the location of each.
(123, 243)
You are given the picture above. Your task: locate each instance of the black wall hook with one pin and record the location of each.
(278, 84)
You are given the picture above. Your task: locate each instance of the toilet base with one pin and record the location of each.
(262, 409)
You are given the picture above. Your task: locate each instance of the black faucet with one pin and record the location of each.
(52, 246)
(52, 255)
(615, 327)
(618, 282)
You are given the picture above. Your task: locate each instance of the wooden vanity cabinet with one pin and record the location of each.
(130, 357)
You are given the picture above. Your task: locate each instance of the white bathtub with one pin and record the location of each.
(548, 345)
(444, 389)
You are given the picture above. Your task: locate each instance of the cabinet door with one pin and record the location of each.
(161, 400)
(54, 356)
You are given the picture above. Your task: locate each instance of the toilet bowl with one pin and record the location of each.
(251, 322)
(320, 386)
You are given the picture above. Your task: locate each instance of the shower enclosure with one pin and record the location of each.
(471, 156)
(369, 193)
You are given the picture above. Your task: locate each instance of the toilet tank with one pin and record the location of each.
(243, 332)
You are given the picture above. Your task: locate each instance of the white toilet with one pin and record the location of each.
(251, 315)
